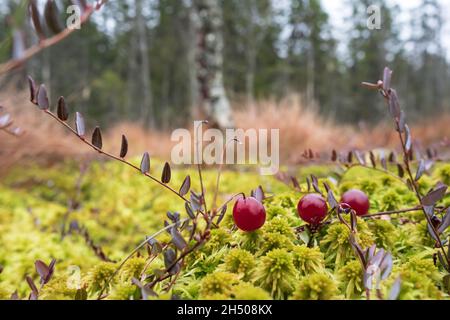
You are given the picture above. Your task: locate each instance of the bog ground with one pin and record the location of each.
(113, 209)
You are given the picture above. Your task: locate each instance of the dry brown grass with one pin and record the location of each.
(46, 142)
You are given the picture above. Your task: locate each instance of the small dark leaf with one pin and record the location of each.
(369, 253)
(387, 74)
(372, 159)
(445, 222)
(420, 170)
(189, 210)
(429, 210)
(386, 266)
(51, 17)
(350, 157)
(258, 194)
(171, 216)
(432, 232)
(334, 155)
(124, 147)
(394, 105)
(33, 296)
(401, 171)
(357, 248)
(169, 258)
(185, 186)
(166, 174)
(308, 183)
(32, 285)
(392, 157)
(146, 291)
(177, 239)
(155, 245)
(145, 163)
(429, 153)
(295, 183)
(315, 184)
(97, 138)
(42, 98)
(62, 109)
(1, 268)
(395, 289)
(32, 87)
(51, 270)
(353, 220)
(222, 214)
(42, 269)
(79, 124)
(434, 195)
(195, 202)
(331, 199)
(36, 18)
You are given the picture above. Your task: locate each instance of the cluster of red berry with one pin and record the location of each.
(249, 214)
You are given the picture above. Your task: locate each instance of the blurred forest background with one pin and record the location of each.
(140, 60)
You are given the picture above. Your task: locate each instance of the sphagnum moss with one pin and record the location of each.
(316, 286)
(279, 262)
(276, 273)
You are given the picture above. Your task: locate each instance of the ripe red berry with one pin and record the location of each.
(357, 200)
(249, 214)
(312, 208)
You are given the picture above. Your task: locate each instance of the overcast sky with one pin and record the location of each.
(338, 11)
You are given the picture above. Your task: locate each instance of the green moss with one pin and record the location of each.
(124, 291)
(219, 238)
(390, 200)
(273, 241)
(276, 273)
(247, 291)
(132, 269)
(218, 283)
(308, 260)
(442, 173)
(120, 208)
(279, 225)
(241, 262)
(99, 276)
(351, 279)
(250, 241)
(316, 287)
(59, 288)
(384, 232)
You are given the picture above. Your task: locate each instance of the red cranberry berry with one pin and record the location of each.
(312, 208)
(249, 214)
(357, 200)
